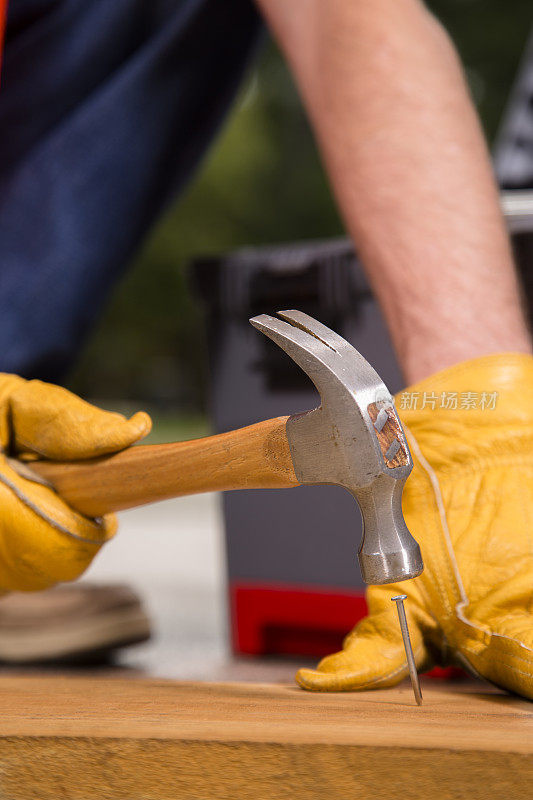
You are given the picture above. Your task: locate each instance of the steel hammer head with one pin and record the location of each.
(354, 439)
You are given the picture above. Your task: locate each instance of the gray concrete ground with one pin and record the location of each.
(172, 553)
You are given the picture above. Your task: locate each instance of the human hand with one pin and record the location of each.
(42, 540)
(469, 504)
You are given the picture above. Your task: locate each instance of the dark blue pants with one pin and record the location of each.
(106, 107)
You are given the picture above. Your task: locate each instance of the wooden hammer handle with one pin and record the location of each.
(255, 457)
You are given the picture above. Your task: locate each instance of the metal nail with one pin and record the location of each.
(415, 683)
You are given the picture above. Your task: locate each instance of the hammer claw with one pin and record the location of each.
(316, 329)
(308, 351)
(320, 352)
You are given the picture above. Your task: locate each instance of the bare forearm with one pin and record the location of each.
(411, 173)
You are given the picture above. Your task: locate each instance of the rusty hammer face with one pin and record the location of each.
(354, 439)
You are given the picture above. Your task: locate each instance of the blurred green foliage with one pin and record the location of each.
(261, 183)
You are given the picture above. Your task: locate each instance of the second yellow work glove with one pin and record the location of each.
(469, 503)
(42, 540)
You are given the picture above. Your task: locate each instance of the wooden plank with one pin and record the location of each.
(110, 738)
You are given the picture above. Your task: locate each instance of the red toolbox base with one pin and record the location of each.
(278, 619)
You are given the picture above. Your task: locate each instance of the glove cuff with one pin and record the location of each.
(478, 409)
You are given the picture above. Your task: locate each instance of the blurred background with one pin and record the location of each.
(174, 339)
(261, 183)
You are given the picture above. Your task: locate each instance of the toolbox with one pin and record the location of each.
(293, 578)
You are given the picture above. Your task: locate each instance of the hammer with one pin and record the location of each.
(354, 439)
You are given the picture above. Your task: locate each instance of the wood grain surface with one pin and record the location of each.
(82, 738)
(255, 457)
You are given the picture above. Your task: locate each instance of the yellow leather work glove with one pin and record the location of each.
(469, 503)
(42, 540)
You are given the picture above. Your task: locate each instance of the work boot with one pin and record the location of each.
(71, 622)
